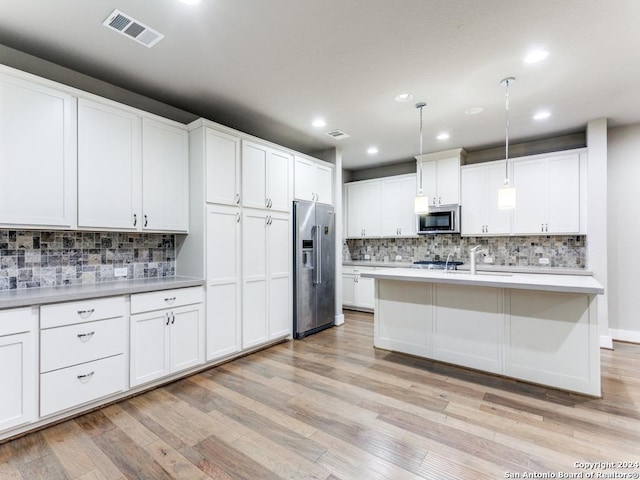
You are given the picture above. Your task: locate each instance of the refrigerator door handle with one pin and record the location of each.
(318, 254)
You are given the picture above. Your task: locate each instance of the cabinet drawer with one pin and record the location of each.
(73, 386)
(147, 302)
(18, 320)
(73, 344)
(81, 311)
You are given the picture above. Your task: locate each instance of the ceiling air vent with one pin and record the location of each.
(138, 31)
(338, 134)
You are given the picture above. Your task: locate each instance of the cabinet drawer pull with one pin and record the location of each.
(135, 219)
(146, 220)
(86, 313)
(86, 377)
(85, 337)
(170, 299)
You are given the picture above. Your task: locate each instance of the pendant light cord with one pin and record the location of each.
(506, 82)
(420, 105)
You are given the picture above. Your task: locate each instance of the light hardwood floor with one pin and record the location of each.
(332, 407)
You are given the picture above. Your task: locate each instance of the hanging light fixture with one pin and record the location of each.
(421, 202)
(507, 194)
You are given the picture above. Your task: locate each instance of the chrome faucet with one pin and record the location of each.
(473, 258)
(446, 264)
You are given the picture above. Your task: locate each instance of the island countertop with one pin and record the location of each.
(521, 281)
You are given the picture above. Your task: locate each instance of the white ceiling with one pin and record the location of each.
(269, 67)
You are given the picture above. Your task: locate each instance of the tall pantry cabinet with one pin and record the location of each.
(240, 224)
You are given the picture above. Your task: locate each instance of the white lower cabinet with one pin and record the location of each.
(266, 277)
(18, 374)
(167, 333)
(82, 352)
(357, 292)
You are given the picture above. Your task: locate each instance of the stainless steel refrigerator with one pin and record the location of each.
(314, 268)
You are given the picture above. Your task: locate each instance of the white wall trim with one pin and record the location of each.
(606, 341)
(625, 335)
(339, 319)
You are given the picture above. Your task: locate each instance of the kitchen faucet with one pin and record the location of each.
(473, 258)
(446, 264)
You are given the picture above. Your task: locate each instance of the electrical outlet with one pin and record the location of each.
(543, 261)
(488, 259)
(367, 256)
(398, 258)
(120, 272)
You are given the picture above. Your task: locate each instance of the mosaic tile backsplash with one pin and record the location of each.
(31, 259)
(562, 251)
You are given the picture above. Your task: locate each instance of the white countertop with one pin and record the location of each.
(484, 267)
(68, 293)
(520, 281)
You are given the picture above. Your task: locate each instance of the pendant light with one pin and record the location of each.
(507, 194)
(421, 202)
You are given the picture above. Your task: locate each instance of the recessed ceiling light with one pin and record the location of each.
(319, 123)
(403, 97)
(541, 115)
(372, 150)
(536, 56)
(443, 136)
(474, 110)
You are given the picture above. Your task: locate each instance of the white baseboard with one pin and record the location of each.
(625, 335)
(338, 320)
(606, 342)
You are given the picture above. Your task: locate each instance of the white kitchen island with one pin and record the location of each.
(540, 328)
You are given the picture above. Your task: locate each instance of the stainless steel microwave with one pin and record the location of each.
(444, 219)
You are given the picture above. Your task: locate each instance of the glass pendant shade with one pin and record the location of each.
(506, 196)
(421, 204)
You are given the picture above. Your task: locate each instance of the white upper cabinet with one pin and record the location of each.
(313, 180)
(109, 167)
(441, 176)
(266, 177)
(222, 153)
(363, 209)
(548, 194)
(132, 170)
(165, 176)
(37, 156)
(397, 217)
(479, 200)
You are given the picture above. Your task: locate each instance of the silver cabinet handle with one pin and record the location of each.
(439, 200)
(86, 313)
(170, 299)
(85, 337)
(434, 201)
(168, 318)
(237, 199)
(146, 220)
(86, 377)
(238, 217)
(135, 219)
(173, 318)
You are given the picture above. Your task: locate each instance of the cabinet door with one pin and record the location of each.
(17, 403)
(529, 181)
(349, 290)
(254, 175)
(280, 286)
(165, 176)
(254, 278)
(407, 214)
(304, 181)
(563, 194)
(497, 221)
(365, 293)
(186, 337)
(224, 281)
(109, 167)
(473, 201)
(391, 202)
(356, 209)
(279, 165)
(324, 184)
(37, 155)
(222, 168)
(149, 347)
(448, 176)
(429, 181)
